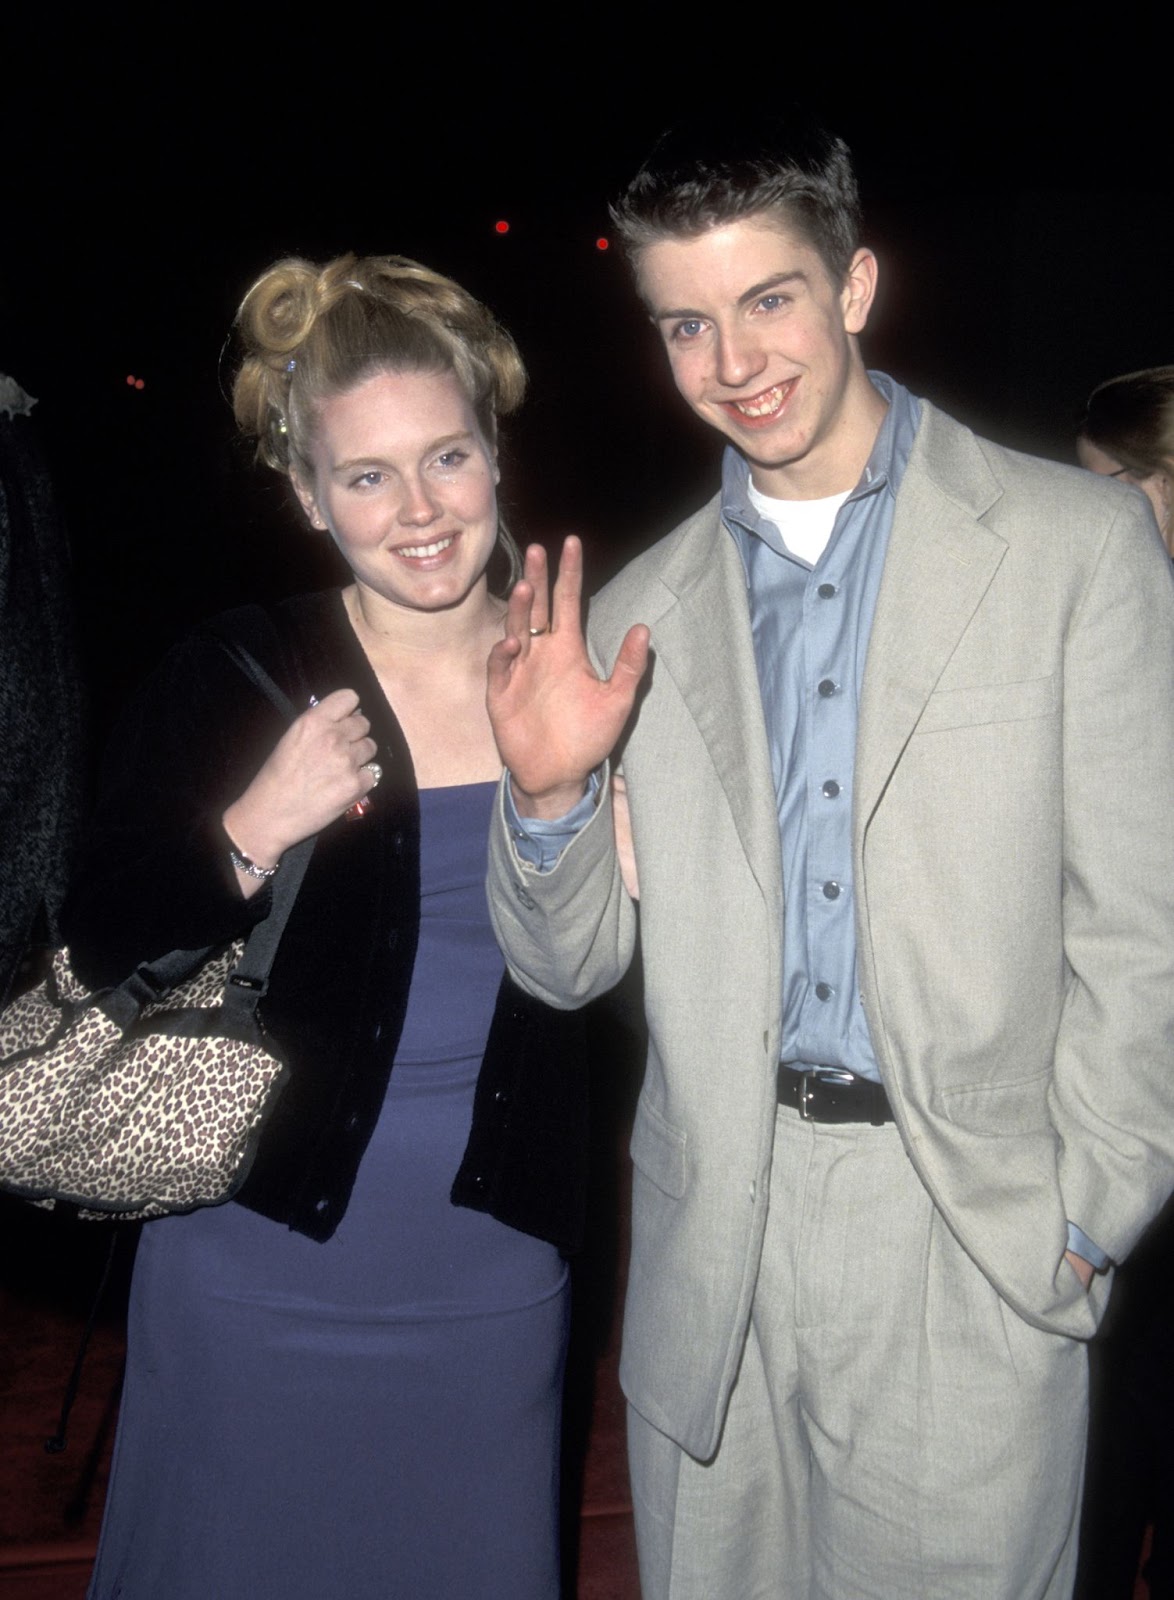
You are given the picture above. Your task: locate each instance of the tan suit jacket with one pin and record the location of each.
(1014, 874)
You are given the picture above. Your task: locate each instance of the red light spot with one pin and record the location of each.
(139, 384)
(130, 378)
(601, 244)
(501, 227)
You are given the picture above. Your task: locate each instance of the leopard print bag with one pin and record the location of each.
(128, 1106)
(148, 1097)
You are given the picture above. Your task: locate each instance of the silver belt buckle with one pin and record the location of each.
(816, 1075)
(806, 1079)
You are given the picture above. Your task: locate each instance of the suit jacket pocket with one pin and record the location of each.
(999, 1109)
(988, 702)
(658, 1150)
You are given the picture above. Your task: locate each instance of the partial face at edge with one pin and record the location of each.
(762, 347)
(1154, 485)
(405, 483)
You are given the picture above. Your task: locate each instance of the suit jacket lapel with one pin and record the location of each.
(939, 564)
(703, 641)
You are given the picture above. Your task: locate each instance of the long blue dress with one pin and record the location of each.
(376, 1416)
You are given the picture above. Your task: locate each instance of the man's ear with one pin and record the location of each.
(859, 291)
(309, 501)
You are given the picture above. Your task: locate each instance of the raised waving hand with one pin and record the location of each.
(555, 719)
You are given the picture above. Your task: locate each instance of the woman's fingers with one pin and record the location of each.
(568, 587)
(536, 575)
(517, 616)
(335, 707)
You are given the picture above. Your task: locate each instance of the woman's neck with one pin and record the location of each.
(389, 633)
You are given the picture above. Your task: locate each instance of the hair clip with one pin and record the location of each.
(291, 363)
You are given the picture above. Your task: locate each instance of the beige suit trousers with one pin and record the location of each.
(896, 1431)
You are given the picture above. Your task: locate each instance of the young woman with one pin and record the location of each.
(348, 1381)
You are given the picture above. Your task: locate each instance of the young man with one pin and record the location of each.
(898, 787)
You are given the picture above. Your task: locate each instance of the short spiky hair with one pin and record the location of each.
(701, 176)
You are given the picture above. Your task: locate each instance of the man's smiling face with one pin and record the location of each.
(761, 343)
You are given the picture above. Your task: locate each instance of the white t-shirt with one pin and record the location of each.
(805, 526)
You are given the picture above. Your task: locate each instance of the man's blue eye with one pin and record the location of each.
(689, 329)
(451, 459)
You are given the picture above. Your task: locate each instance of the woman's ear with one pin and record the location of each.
(309, 500)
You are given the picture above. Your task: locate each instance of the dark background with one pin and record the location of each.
(1015, 193)
(1016, 185)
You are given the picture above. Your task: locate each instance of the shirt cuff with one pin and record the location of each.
(539, 843)
(1081, 1245)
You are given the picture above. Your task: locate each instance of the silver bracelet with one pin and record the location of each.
(248, 866)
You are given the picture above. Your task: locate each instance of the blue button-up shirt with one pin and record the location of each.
(811, 627)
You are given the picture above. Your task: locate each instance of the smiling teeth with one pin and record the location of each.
(762, 404)
(421, 550)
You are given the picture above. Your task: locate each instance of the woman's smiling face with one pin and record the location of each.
(406, 484)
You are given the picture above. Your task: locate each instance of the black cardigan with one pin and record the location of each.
(156, 877)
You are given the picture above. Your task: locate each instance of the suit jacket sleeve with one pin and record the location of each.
(1112, 1096)
(567, 934)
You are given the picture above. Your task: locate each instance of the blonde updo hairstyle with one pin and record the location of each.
(312, 332)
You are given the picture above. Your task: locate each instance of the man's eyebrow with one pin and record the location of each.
(755, 292)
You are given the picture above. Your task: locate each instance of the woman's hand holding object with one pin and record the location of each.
(317, 771)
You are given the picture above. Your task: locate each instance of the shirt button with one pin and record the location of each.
(831, 890)
(831, 789)
(823, 991)
(826, 591)
(827, 687)
(524, 896)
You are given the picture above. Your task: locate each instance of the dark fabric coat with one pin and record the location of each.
(40, 744)
(156, 876)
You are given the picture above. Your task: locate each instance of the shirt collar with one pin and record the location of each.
(884, 468)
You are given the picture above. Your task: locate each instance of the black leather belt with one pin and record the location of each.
(830, 1094)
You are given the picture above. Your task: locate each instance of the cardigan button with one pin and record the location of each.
(503, 1097)
(479, 1181)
